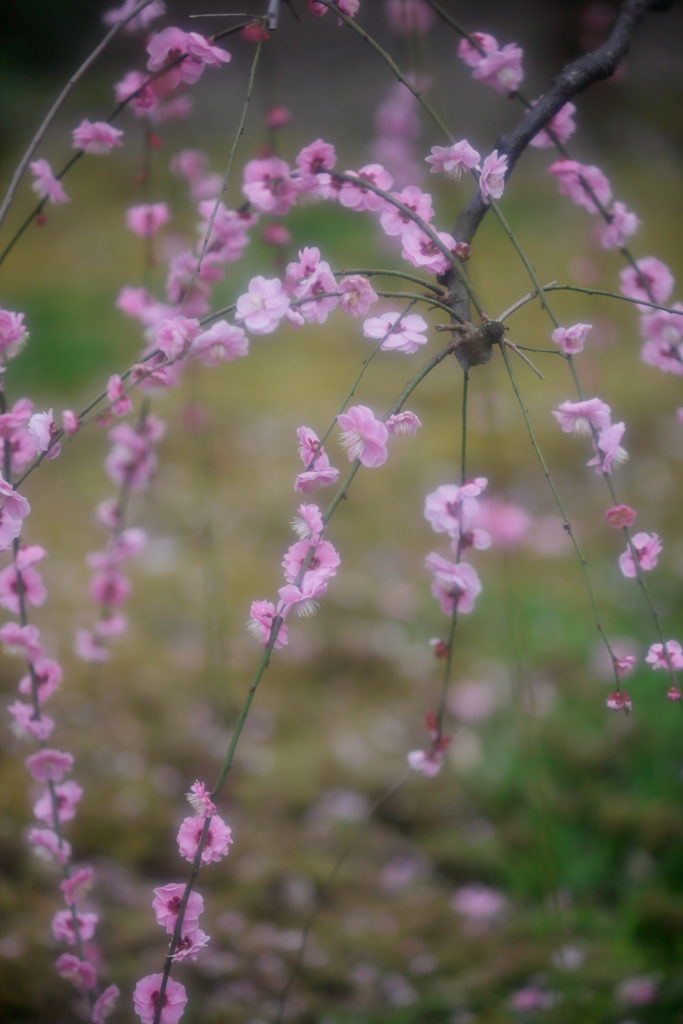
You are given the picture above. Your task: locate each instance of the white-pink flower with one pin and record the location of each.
(571, 177)
(422, 251)
(357, 197)
(453, 581)
(656, 275)
(364, 437)
(579, 417)
(221, 343)
(501, 69)
(449, 505)
(76, 887)
(96, 137)
(268, 185)
(13, 337)
(492, 176)
(79, 972)
(42, 429)
(562, 125)
(46, 185)
(21, 640)
(658, 659)
(472, 55)
(395, 221)
(200, 800)
(49, 765)
(146, 219)
(608, 450)
(623, 223)
(647, 547)
(27, 723)
(357, 295)
(403, 424)
(571, 339)
(324, 563)
(260, 625)
(63, 926)
(400, 334)
(453, 160)
(146, 1000)
(175, 336)
(47, 844)
(218, 839)
(308, 525)
(263, 306)
(166, 906)
(67, 795)
(106, 1002)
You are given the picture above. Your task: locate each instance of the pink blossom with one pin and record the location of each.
(131, 459)
(625, 665)
(492, 176)
(304, 597)
(145, 101)
(664, 355)
(76, 887)
(111, 625)
(140, 304)
(33, 587)
(263, 306)
(49, 765)
(48, 676)
(200, 49)
(622, 224)
(97, 138)
(470, 54)
(105, 1004)
(46, 185)
(318, 156)
(318, 472)
(190, 943)
(618, 701)
(146, 219)
(408, 16)
(452, 160)
(146, 1000)
(427, 763)
(67, 795)
(13, 336)
(478, 903)
(277, 235)
(647, 547)
(165, 47)
(260, 625)
(364, 437)
(394, 221)
(218, 839)
(449, 504)
(26, 722)
(657, 658)
(357, 295)
(121, 403)
(278, 117)
(321, 282)
(659, 280)
(404, 424)
(562, 125)
(89, 648)
(63, 926)
(579, 417)
(663, 333)
(200, 800)
(309, 261)
(70, 422)
(620, 516)
(453, 580)
(312, 479)
(501, 69)
(220, 343)
(47, 843)
(175, 336)
(571, 339)
(42, 429)
(166, 906)
(21, 640)
(608, 450)
(80, 972)
(324, 562)
(268, 185)
(569, 174)
(421, 251)
(116, 14)
(228, 236)
(399, 334)
(673, 694)
(358, 198)
(309, 524)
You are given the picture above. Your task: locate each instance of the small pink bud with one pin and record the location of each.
(620, 516)
(619, 701)
(278, 117)
(462, 250)
(674, 694)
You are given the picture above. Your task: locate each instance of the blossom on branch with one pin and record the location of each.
(573, 178)
(146, 1000)
(146, 219)
(263, 306)
(218, 839)
(571, 339)
(492, 176)
(561, 124)
(96, 137)
(657, 657)
(46, 185)
(400, 334)
(452, 160)
(364, 437)
(652, 281)
(647, 547)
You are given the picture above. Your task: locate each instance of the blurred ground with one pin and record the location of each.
(568, 814)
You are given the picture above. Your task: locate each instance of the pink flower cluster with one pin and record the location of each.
(593, 416)
(587, 186)
(499, 68)
(429, 762)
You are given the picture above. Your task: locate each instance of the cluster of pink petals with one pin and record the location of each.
(561, 124)
(399, 334)
(263, 306)
(608, 449)
(359, 198)
(571, 339)
(63, 926)
(571, 176)
(146, 16)
(364, 437)
(357, 295)
(21, 640)
(623, 223)
(318, 471)
(312, 278)
(49, 765)
(657, 657)
(97, 137)
(500, 68)
(46, 185)
(656, 275)
(32, 582)
(269, 186)
(647, 547)
(167, 46)
(619, 700)
(579, 417)
(422, 251)
(13, 336)
(449, 506)
(66, 796)
(663, 334)
(395, 221)
(620, 516)
(106, 1002)
(146, 1000)
(221, 343)
(260, 625)
(146, 219)
(76, 886)
(625, 665)
(403, 424)
(48, 844)
(200, 800)
(492, 176)
(453, 160)
(454, 582)
(216, 844)
(79, 972)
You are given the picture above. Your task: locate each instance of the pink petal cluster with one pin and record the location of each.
(657, 657)
(49, 765)
(318, 472)
(364, 437)
(309, 278)
(404, 424)
(422, 251)
(449, 507)
(429, 762)
(200, 800)
(619, 700)
(454, 583)
(453, 160)
(357, 295)
(167, 46)
(620, 516)
(218, 839)
(357, 197)
(140, 22)
(263, 306)
(395, 221)
(64, 930)
(269, 186)
(46, 185)
(571, 339)
(79, 972)
(571, 177)
(608, 450)
(42, 429)
(492, 176)
(106, 1002)
(146, 1000)
(13, 337)
(96, 138)
(47, 843)
(579, 417)
(652, 282)
(399, 334)
(146, 219)
(622, 225)
(663, 334)
(260, 625)
(500, 68)
(561, 124)
(647, 547)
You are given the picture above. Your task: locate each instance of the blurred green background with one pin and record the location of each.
(570, 812)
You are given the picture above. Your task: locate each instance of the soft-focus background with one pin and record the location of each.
(546, 857)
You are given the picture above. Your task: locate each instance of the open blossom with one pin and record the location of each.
(619, 701)
(63, 926)
(303, 598)
(67, 795)
(260, 624)
(501, 69)
(144, 102)
(453, 580)
(364, 437)
(620, 516)
(318, 156)
(404, 424)
(22, 640)
(658, 277)
(658, 659)
(318, 473)
(394, 221)
(452, 160)
(200, 800)
(175, 336)
(321, 287)
(165, 47)
(106, 1002)
(625, 665)
(357, 197)
(579, 417)
(400, 334)
(13, 335)
(357, 295)
(190, 943)
(324, 562)
(32, 584)
(472, 55)
(121, 403)
(647, 547)
(263, 306)
(268, 185)
(492, 176)
(562, 125)
(27, 723)
(308, 525)
(42, 429)
(608, 449)
(47, 843)
(166, 906)
(663, 333)
(571, 339)
(448, 504)
(97, 138)
(49, 765)
(46, 185)
(571, 176)
(420, 250)
(146, 1000)
(218, 839)
(89, 648)
(76, 886)
(623, 223)
(146, 219)
(427, 763)
(80, 972)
